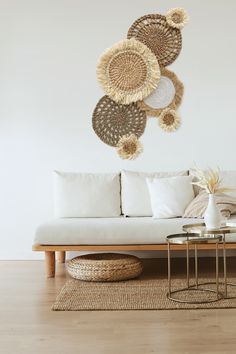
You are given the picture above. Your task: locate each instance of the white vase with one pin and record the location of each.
(212, 216)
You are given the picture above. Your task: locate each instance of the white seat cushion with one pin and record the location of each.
(112, 231)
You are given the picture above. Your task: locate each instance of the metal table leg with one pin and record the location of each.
(169, 270)
(196, 266)
(217, 271)
(187, 258)
(226, 283)
(196, 286)
(225, 266)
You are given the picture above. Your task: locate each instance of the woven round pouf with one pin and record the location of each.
(104, 267)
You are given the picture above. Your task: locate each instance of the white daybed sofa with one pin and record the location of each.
(108, 212)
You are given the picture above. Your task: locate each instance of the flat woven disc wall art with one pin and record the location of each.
(112, 120)
(128, 71)
(155, 32)
(136, 83)
(168, 94)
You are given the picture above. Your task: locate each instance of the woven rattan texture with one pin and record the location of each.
(154, 31)
(128, 71)
(104, 267)
(145, 293)
(112, 120)
(179, 91)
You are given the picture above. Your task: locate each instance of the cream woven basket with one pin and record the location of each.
(105, 267)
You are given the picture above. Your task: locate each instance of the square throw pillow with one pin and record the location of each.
(170, 196)
(134, 191)
(87, 195)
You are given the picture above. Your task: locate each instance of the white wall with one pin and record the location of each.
(48, 90)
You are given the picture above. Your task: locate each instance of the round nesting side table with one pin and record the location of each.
(201, 230)
(193, 239)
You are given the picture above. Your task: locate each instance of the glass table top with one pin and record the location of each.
(192, 238)
(200, 229)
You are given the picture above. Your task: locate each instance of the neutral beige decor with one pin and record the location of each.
(169, 120)
(112, 120)
(197, 208)
(105, 267)
(133, 71)
(168, 94)
(128, 71)
(155, 32)
(147, 293)
(209, 180)
(129, 147)
(177, 17)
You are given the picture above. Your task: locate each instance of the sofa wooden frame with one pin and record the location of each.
(51, 250)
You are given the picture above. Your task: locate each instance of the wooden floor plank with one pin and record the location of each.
(29, 326)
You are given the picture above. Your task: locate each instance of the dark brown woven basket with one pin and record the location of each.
(112, 120)
(154, 31)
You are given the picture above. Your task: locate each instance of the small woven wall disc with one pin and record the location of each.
(163, 95)
(154, 31)
(128, 71)
(112, 120)
(168, 94)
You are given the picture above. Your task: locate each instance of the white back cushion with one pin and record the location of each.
(87, 195)
(170, 196)
(134, 191)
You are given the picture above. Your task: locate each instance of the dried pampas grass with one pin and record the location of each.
(128, 71)
(209, 180)
(129, 147)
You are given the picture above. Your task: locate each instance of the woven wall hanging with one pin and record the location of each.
(155, 32)
(136, 83)
(177, 17)
(112, 120)
(129, 147)
(128, 71)
(169, 120)
(169, 93)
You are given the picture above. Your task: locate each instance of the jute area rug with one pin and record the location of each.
(145, 293)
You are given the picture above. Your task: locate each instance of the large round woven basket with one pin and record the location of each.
(112, 120)
(163, 40)
(105, 267)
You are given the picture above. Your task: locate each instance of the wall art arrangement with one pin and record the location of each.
(138, 85)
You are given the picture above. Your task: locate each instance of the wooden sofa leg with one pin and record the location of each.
(50, 263)
(61, 256)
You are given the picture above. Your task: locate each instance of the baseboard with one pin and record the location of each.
(20, 255)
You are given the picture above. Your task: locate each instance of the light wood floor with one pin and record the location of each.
(27, 325)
